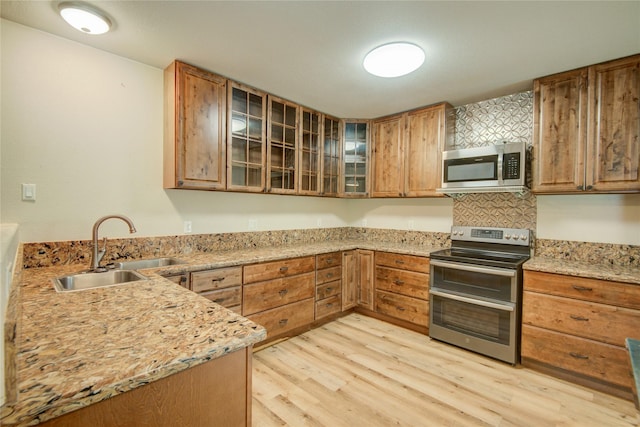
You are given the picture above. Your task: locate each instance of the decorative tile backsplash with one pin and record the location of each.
(508, 118)
(509, 210)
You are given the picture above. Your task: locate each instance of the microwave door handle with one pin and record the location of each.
(474, 269)
(500, 168)
(503, 307)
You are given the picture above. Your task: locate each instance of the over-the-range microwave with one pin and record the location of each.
(499, 167)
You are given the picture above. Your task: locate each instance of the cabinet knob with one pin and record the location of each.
(283, 269)
(578, 356)
(283, 292)
(581, 288)
(580, 187)
(400, 308)
(399, 282)
(589, 187)
(580, 318)
(283, 322)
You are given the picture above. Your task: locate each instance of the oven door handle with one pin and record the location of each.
(475, 269)
(503, 307)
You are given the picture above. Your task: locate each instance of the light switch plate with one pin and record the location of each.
(29, 192)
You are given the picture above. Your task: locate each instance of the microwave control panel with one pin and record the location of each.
(511, 166)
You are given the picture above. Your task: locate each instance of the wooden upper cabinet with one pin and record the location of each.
(282, 146)
(355, 159)
(407, 151)
(247, 139)
(194, 134)
(309, 151)
(587, 129)
(331, 156)
(428, 131)
(560, 132)
(387, 158)
(613, 150)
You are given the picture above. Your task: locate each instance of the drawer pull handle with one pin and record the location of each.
(283, 292)
(399, 261)
(582, 319)
(330, 261)
(399, 282)
(578, 356)
(283, 269)
(329, 275)
(581, 288)
(218, 300)
(329, 305)
(283, 322)
(400, 308)
(329, 289)
(219, 279)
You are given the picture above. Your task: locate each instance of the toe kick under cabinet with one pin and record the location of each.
(575, 328)
(279, 295)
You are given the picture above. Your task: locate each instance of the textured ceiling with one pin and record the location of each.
(311, 52)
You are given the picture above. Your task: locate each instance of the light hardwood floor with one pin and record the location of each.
(359, 371)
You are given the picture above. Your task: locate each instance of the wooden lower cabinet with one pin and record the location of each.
(280, 295)
(575, 328)
(222, 286)
(402, 287)
(328, 285)
(357, 279)
(216, 393)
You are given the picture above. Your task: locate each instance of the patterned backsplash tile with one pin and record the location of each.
(509, 210)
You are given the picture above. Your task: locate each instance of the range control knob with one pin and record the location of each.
(507, 236)
(523, 237)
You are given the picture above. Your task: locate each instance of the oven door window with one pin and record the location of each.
(475, 281)
(489, 324)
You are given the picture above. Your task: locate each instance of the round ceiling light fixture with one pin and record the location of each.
(394, 59)
(84, 17)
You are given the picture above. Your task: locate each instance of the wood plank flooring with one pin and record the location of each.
(359, 371)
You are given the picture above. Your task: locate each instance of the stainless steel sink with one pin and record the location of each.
(148, 263)
(80, 281)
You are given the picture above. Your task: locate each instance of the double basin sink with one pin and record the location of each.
(123, 272)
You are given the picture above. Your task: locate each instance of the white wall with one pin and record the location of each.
(607, 218)
(85, 126)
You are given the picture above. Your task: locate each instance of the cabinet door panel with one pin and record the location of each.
(387, 157)
(328, 306)
(349, 279)
(276, 269)
(402, 307)
(366, 283)
(403, 262)
(281, 320)
(403, 282)
(613, 158)
(427, 131)
(209, 280)
(560, 131)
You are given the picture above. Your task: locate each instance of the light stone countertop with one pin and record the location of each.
(616, 273)
(78, 348)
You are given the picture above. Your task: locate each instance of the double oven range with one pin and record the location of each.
(476, 290)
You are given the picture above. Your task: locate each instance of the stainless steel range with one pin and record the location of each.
(476, 290)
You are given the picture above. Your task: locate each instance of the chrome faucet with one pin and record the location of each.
(97, 254)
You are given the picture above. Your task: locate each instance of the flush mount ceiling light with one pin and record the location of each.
(84, 17)
(394, 59)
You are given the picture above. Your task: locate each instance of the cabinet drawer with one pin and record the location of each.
(209, 280)
(332, 259)
(273, 293)
(283, 319)
(327, 290)
(402, 282)
(328, 274)
(402, 307)
(227, 297)
(593, 359)
(404, 262)
(275, 269)
(602, 291)
(328, 306)
(585, 319)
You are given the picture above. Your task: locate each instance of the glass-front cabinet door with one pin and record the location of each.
(310, 125)
(356, 158)
(246, 140)
(331, 153)
(282, 137)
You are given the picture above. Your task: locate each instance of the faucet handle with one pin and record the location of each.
(102, 251)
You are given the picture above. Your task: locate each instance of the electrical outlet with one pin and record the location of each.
(187, 226)
(29, 192)
(253, 224)
(364, 222)
(411, 224)
(319, 222)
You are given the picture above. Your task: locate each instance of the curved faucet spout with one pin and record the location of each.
(96, 254)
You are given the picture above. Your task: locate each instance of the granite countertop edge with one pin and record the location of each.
(615, 273)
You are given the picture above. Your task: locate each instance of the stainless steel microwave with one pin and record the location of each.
(493, 168)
